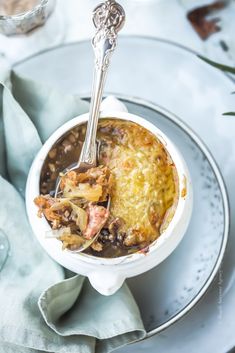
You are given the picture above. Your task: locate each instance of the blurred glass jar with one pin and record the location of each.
(23, 22)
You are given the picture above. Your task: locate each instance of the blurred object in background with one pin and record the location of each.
(219, 45)
(21, 16)
(203, 25)
(71, 21)
(15, 7)
(193, 4)
(45, 31)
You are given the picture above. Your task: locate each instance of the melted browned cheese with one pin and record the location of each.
(144, 179)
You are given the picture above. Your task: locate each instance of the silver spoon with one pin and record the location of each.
(108, 18)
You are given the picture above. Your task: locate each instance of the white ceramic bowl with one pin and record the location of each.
(107, 275)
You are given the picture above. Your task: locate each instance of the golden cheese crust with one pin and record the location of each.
(144, 193)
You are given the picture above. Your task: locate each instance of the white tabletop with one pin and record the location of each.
(160, 18)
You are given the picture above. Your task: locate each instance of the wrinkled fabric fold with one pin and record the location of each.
(44, 308)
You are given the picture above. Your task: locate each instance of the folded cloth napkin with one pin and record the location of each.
(42, 306)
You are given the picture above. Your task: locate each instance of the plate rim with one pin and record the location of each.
(196, 139)
(122, 36)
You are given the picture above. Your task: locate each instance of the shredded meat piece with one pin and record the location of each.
(97, 246)
(145, 250)
(203, 26)
(97, 217)
(44, 202)
(78, 209)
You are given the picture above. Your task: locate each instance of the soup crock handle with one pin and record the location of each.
(106, 283)
(111, 103)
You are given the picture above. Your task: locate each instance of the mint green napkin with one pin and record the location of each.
(44, 308)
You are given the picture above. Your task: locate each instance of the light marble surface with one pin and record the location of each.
(164, 19)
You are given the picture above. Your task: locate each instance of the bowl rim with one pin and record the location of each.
(183, 180)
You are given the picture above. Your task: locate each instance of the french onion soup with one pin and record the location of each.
(134, 169)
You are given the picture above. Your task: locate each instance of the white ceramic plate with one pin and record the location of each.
(176, 79)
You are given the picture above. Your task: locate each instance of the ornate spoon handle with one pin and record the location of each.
(108, 18)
